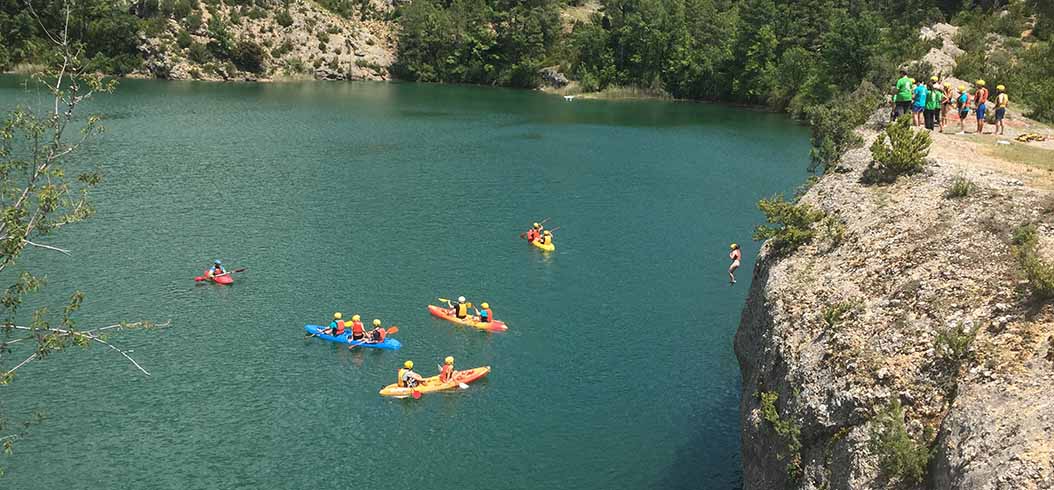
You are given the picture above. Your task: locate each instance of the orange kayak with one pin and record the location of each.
(433, 384)
(491, 326)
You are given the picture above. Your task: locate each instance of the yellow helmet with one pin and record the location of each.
(485, 306)
(355, 318)
(1000, 88)
(912, 80)
(408, 364)
(980, 83)
(537, 225)
(376, 322)
(547, 232)
(947, 85)
(934, 78)
(337, 316)
(962, 88)
(733, 246)
(448, 360)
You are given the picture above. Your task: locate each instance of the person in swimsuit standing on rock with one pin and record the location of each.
(735, 255)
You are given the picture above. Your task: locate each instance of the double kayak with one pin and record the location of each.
(491, 326)
(345, 338)
(429, 385)
(548, 247)
(224, 279)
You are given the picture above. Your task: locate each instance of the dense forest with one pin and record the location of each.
(790, 55)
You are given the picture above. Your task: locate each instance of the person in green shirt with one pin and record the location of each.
(902, 97)
(932, 112)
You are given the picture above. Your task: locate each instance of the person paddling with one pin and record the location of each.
(547, 238)
(377, 335)
(735, 255)
(407, 377)
(357, 331)
(216, 270)
(336, 327)
(446, 373)
(485, 315)
(460, 309)
(534, 232)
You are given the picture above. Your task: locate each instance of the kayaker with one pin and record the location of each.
(357, 331)
(735, 255)
(534, 232)
(446, 373)
(377, 335)
(460, 309)
(336, 327)
(485, 315)
(407, 377)
(215, 270)
(547, 238)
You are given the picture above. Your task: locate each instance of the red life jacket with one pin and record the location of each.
(532, 235)
(340, 328)
(381, 334)
(356, 328)
(489, 316)
(446, 373)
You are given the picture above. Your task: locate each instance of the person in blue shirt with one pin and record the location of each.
(918, 103)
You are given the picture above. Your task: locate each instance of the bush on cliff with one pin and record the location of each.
(834, 125)
(790, 224)
(248, 56)
(905, 154)
(1039, 272)
(899, 455)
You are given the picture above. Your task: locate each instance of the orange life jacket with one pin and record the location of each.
(340, 328)
(356, 328)
(446, 373)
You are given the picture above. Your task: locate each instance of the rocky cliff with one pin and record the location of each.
(905, 336)
(295, 39)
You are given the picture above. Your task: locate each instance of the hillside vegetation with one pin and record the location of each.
(788, 55)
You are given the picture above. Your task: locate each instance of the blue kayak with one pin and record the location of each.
(389, 343)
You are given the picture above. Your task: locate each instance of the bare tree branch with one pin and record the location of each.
(49, 247)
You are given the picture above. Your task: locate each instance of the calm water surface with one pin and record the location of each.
(617, 371)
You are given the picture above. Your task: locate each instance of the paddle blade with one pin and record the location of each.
(416, 395)
(462, 386)
(443, 300)
(243, 269)
(199, 278)
(392, 330)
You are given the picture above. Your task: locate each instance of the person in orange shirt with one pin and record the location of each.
(357, 332)
(446, 373)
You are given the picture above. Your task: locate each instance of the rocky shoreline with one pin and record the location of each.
(913, 299)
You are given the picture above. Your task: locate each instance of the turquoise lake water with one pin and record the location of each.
(617, 371)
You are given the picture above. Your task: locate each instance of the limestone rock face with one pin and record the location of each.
(303, 41)
(911, 266)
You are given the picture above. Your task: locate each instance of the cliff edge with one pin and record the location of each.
(902, 348)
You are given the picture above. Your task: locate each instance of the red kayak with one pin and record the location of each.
(224, 279)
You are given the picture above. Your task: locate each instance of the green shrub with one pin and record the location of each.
(1039, 272)
(961, 187)
(323, 38)
(905, 153)
(834, 314)
(790, 225)
(953, 344)
(788, 430)
(236, 16)
(248, 56)
(183, 40)
(182, 8)
(899, 455)
(282, 49)
(283, 18)
(256, 13)
(193, 22)
(198, 53)
(834, 124)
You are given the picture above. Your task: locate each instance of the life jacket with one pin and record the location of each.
(532, 235)
(379, 334)
(446, 373)
(462, 310)
(338, 327)
(485, 315)
(399, 378)
(406, 379)
(356, 328)
(213, 272)
(1001, 101)
(981, 97)
(963, 99)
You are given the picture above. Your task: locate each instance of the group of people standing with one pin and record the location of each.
(929, 103)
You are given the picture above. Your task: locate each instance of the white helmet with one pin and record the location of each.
(460, 299)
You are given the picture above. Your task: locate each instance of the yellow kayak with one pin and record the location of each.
(494, 326)
(432, 384)
(548, 247)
